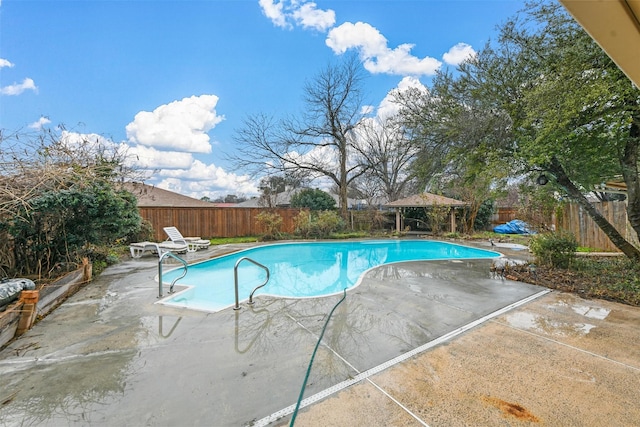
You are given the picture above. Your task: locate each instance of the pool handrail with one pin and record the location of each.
(235, 277)
(162, 257)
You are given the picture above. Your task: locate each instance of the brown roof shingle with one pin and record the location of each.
(150, 196)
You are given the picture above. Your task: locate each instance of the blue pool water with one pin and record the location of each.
(302, 270)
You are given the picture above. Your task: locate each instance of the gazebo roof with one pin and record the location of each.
(426, 200)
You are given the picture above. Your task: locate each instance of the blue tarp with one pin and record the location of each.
(10, 289)
(513, 227)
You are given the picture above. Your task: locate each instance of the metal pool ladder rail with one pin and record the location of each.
(184, 273)
(235, 277)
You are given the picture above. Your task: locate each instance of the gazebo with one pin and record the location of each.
(425, 200)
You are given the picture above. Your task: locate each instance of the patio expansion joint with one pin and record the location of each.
(578, 349)
(377, 369)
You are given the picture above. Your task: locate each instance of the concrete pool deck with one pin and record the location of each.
(110, 356)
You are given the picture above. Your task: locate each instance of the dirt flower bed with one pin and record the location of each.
(614, 279)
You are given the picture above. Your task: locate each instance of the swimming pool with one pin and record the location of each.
(302, 270)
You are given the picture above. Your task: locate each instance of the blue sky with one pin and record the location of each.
(172, 80)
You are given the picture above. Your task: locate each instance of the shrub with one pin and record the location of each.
(144, 233)
(437, 215)
(318, 225)
(554, 249)
(303, 224)
(328, 222)
(271, 222)
(58, 226)
(483, 217)
(316, 200)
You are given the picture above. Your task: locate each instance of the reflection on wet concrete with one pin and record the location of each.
(161, 327)
(541, 322)
(111, 356)
(250, 331)
(71, 390)
(531, 321)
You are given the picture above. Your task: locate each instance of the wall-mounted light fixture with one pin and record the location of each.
(542, 179)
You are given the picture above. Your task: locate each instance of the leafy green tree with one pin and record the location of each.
(270, 187)
(60, 198)
(579, 115)
(60, 225)
(551, 102)
(460, 138)
(232, 198)
(484, 214)
(314, 199)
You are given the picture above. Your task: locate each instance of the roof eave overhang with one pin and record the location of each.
(615, 26)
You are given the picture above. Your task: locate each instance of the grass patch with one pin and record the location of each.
(350, 235)
(586, 249)
(230, 240)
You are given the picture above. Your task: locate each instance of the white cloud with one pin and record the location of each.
(387, 107)
(72, 139)
(285, 13)
(18, 88)
(458, 54)
(149, 158)
(42, 122)
(179, 125)
(367, 109)
(202, 179)
(310, 17)
(374, 52)
(274, 10)
(5, 63)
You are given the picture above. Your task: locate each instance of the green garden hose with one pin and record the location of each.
(313, 355)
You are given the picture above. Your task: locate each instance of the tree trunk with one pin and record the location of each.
(631, 174)
(574, 193)
(344, 204)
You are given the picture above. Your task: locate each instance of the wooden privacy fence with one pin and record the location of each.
(503, 215)
(577, 221)
(210, 222)
(214, 221)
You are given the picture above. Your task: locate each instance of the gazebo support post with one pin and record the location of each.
(452, 216)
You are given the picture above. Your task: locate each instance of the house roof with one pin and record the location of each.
(615, 26)
(150, 196)
(283, 200)
(280, 200)
(425, 200)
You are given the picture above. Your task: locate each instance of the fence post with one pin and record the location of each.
(28, 312)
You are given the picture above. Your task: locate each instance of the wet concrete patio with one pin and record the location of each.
(439, 343)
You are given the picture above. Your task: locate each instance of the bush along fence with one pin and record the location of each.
(19, 316)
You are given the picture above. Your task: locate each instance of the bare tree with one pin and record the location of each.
(388, 151)
(273, 186)
(321, 142)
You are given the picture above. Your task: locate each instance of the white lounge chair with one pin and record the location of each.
(194, 243)
(139, 248)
